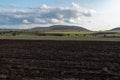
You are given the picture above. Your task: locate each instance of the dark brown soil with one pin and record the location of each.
(59, 60)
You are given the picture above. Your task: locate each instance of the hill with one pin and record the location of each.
(60, 27)
(118, 28)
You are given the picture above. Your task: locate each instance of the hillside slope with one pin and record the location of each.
(60, 27)
(118, 28)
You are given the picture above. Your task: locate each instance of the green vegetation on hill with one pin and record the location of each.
(59, 28)
(66, 27)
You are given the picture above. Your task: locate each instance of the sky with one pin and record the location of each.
(91, 14)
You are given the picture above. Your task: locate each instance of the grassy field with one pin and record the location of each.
(63, 35)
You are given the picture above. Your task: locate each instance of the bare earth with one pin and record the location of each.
(59, 60)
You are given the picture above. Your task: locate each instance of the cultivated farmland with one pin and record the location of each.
(59, 60)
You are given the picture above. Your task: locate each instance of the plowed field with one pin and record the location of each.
(59, 60)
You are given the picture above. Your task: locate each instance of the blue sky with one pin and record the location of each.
(91, 14)
(47, 2)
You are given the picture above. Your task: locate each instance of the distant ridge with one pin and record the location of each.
(118, 28)
(60, 27)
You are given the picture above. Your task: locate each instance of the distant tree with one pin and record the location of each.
(114, 36)
(84, 35)
(57, 34)
(68, 34)
(10, 31)
(95, 35)
(104, 35)
(14, 34)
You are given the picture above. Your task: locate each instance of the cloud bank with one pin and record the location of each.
(44, 14)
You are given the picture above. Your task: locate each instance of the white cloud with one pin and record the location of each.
(75, 6)
(75, 20)
(44, 6)
(46, 15)
(25, 22)
(69, 14)
(55, 21)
